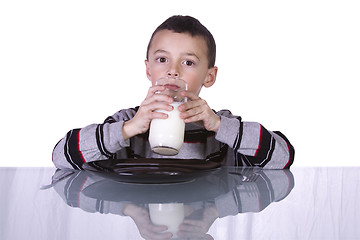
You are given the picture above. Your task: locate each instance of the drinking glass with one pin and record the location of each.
(168, 214)
(166, 136)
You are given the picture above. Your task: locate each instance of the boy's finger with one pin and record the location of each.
(158, 228)
(161, 106)
(151, 107)
(195, 118)
(191, 104)
(190, 95)
(158, 98)
(191, 112)
(158, 115)
(163, 98)
(154, 89)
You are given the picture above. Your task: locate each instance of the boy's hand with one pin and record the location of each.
(197, 229)
(198, 110)
(140, 123)
(147, 229)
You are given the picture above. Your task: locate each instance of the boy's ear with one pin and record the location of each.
(211, 77)
(148, 74)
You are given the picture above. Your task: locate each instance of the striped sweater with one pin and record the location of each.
(239, 143)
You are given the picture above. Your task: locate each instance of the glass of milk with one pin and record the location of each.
(168, 214)
(166, 136)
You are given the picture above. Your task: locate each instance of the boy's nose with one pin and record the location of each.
(173, 74)
(173, 71)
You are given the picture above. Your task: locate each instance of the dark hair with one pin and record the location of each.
(187, 24)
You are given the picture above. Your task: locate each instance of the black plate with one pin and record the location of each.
(152, 170)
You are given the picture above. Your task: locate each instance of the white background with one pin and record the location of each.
(291, 65)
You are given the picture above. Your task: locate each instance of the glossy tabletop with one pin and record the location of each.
(229, 203)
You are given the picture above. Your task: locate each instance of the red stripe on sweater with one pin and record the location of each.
(78, 146)
(286, 165)
(257, 150)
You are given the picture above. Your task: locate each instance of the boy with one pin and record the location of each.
(180, 47)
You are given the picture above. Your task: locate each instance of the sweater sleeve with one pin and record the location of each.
(91, 143)
(253, 144)
(266, 187)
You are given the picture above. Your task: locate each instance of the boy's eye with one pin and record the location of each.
(188, 63)
(161, 59)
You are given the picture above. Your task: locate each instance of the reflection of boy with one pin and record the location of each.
(224, 193)
(180, 47)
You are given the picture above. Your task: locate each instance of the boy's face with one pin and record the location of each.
(180, 55)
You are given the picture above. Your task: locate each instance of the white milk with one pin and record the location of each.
(168, 214)
(167, 135)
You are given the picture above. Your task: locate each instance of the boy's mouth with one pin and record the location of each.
(172, 87)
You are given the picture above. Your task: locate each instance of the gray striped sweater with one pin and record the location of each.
(237, 143)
